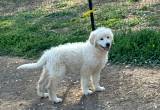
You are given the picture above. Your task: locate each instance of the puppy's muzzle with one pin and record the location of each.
(108, 45)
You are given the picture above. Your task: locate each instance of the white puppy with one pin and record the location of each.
(86, 58)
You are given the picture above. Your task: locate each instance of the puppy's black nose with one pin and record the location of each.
(107, 44)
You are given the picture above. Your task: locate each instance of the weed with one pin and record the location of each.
(133, 0)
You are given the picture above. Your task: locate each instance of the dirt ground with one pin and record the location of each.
(127, 88)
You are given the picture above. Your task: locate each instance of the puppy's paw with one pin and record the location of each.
(87, 92)
(42, 95)
(45, 95)
(57, 100)
(100, 89)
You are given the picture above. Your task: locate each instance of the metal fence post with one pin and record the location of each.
(91, 14)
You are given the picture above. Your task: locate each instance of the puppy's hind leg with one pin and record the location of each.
(43, 81)
(52, 90)
(54, 78)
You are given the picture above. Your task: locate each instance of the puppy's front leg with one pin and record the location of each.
(85, 77)
(85, 85)
(95, 82)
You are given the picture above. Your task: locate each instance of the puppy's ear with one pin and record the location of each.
(92, 38)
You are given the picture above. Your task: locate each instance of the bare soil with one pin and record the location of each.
(11, 7)
(127, 88)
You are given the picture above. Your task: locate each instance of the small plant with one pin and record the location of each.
(133, 0)
(133, 22)
(112, 22)
(6, 23)
(144, 8)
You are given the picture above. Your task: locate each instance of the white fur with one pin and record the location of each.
(86, 58)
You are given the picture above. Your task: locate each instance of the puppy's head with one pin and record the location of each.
(101, 38)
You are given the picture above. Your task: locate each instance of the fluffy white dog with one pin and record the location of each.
(86, 58)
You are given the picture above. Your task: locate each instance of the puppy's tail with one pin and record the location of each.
(39, 64)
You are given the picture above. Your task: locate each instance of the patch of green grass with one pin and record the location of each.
(113, 23)
(61, 4)
(133, 0)
(144, 8)
(111, 11)
(6, 23)
(133, 22)
(154, 20)
(140, 47)
(33, 31)
(29, 33)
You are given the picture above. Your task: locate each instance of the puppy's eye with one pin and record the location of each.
(107, 37)
(101, 39)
